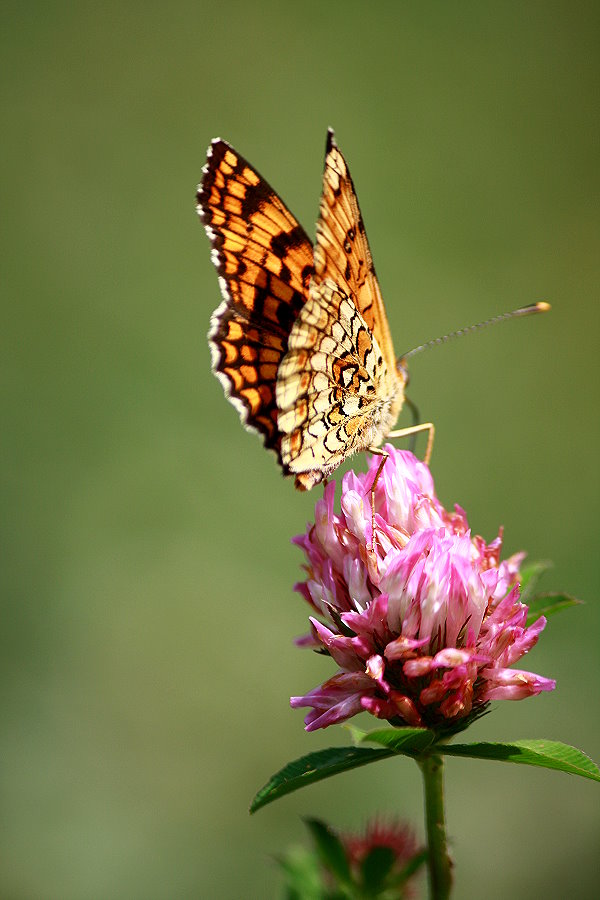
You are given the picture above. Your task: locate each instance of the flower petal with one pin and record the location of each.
(422, 618)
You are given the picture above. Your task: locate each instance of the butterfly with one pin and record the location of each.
(301, 342)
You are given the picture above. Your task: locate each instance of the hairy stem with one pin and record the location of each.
(439, 863)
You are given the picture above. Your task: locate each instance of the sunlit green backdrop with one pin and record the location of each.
(147, 653)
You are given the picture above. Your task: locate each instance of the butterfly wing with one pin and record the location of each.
(338, 388)
(264, 260)
(342, 252)
(334, 389)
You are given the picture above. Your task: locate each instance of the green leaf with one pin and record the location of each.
(548, 604)
(411, 867)
(547, 754)
(315, 767)
(303, 875)
(357, 734)
(409, 741)
(376, 867)
(330, 849)
(530, 575)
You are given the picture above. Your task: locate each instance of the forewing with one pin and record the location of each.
(342, 251)
(330, 383)
(264, 260)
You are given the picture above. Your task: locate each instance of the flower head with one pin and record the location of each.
(422, 619)
(400, 846)
(381, 861)
(394, 835)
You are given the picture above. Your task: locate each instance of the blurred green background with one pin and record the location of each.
(147, 654)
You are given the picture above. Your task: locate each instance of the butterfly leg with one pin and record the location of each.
(415, 429)
(376, 451)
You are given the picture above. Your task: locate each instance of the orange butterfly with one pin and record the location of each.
(301, 341)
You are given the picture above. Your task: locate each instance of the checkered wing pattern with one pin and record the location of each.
(264, 261)
(338, 387)
(301, 342)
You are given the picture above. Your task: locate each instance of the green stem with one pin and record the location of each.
(438, 861)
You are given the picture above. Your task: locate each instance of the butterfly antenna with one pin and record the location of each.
(539, 307)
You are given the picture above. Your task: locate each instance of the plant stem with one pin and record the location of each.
(439, 863)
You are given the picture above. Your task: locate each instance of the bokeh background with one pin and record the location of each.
(147, 653)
